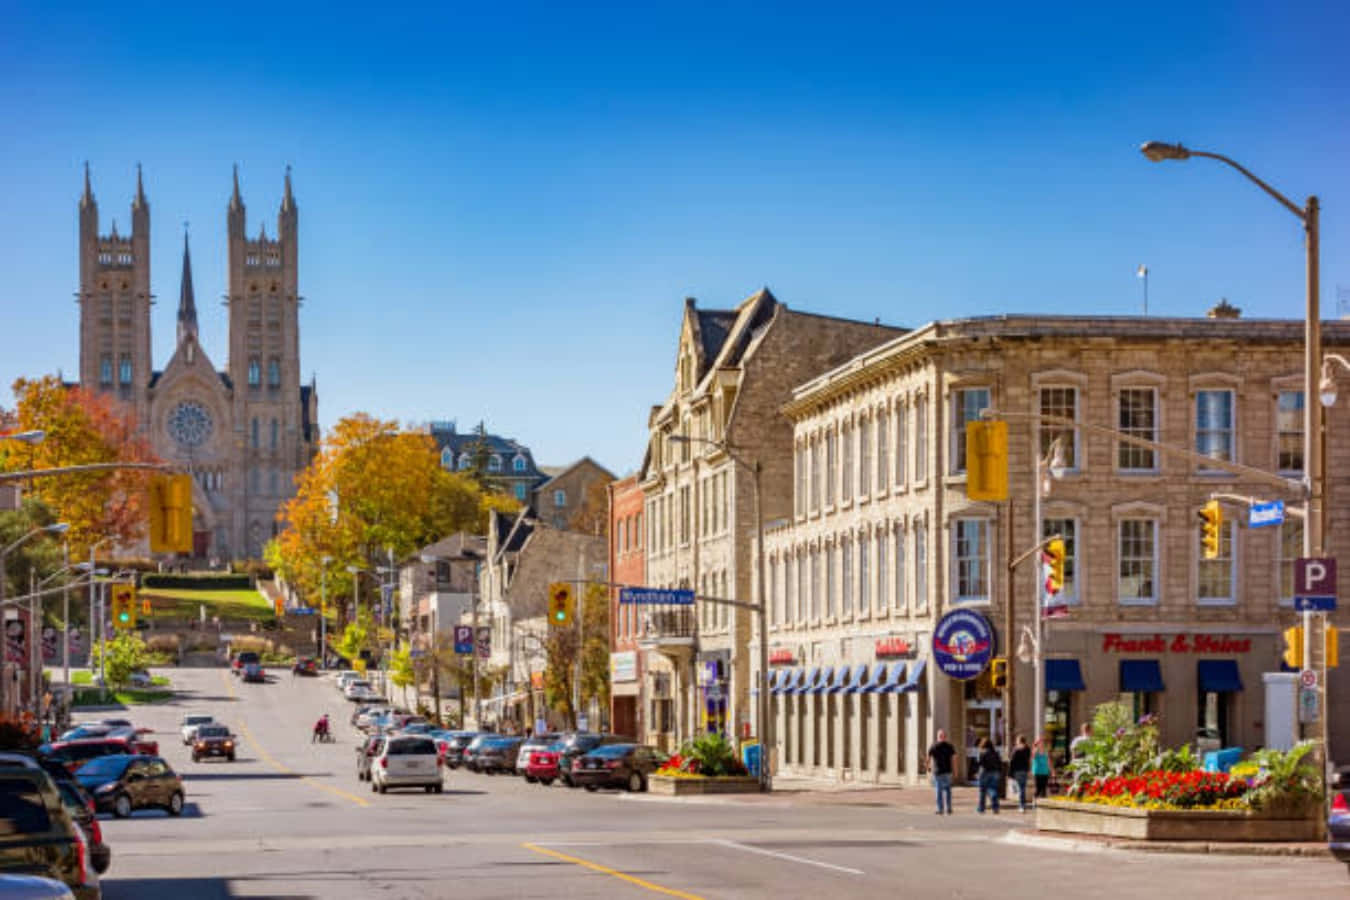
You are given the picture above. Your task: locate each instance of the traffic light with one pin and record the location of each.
(145, 606)
(1054, 563)
(1211, 526)
(560, 603)
(170, 504)
(124, 605)
(1293, 647)
(1333, 645)
(998, 672)
(987, 460)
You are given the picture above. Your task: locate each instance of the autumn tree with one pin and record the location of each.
(592, 513)
(560, 651)
(82, 427)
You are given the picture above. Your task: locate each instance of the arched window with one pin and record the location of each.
(124, 369)
(254, 372)
(494, 463)
(447, 459)
(275, 431)
(518, 464)
(105, 369)
(464, 461)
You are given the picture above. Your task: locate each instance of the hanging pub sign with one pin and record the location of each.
(963, 644)
(894, 648)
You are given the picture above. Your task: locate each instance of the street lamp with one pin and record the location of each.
(1049, 467)
(1327, 386)
(762, 707)
(323, 610)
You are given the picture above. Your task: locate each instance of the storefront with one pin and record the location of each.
(624, 700)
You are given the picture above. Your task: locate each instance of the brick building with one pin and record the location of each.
(627, 565)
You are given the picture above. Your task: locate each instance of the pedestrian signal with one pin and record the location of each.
(560, 602)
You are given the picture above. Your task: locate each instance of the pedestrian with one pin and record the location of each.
(1019, 766)
(1078, 746)
(1041, 769)
(991, 769)
(940, 757)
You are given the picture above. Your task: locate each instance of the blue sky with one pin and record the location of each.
(503, 207)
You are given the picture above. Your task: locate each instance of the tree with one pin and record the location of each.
(560, 651)
(592, 513)
(357, 637)
(126, 654)
(82, 427)
(401, 672)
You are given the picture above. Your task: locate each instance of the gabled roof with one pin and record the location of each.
(460, 545)
(572, 467)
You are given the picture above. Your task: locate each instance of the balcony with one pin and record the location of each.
(667, 628)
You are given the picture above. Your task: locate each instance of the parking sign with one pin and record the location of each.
(1314, 583)
(463, 639)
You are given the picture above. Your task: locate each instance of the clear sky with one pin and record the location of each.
(502, 206)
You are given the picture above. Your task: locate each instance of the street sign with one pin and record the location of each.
(1308, 678)
(1307, 705)
(1314, 583)
(463, 639)
(1262, 514)
(642, 595)
(303, 611)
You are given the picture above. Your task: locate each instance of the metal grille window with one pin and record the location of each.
(1291, 548)
(1068, 530)
(1214, 424)
(921, 439)
(1137, 416)
(1289, 432)
(1215, 581)
(846, 592)
(1137, 576)
(1062, 403)
(966, 407)
(972, 561)
(865, 454)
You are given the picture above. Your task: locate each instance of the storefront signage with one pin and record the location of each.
(894, 648)
(623, 666)
(782, 657)
(963, 644)
(1180, 643)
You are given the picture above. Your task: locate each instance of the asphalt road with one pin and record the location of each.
(290, 820)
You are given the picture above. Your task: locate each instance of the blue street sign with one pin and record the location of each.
(1314, 604)
(303, 611)
(417, 654)
(679, 597)
(1262, 514)
(463, 639)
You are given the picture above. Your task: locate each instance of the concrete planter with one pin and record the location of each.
(687, 787)
(1171, 825)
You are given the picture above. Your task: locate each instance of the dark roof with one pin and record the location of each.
(464, 442)
(713, 327)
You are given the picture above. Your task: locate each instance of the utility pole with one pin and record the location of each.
(1009, 630)
(581, 639)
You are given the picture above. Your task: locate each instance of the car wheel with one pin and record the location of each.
(590, 787)
(438, 788)
(196, 758)
(384, 788)
(231, 757)
(175, 806)
(530, 779)
(122, 806)
(635, 782)
(373, 787)
(429, 788)
(567, 780)
(545, 781)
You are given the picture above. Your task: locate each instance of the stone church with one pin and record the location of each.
(245, 431)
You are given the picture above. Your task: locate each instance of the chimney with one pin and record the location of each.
(1224, 310)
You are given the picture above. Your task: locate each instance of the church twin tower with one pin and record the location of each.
(244, 432)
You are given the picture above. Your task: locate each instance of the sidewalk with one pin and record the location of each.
(1089, 843)
(791, 790)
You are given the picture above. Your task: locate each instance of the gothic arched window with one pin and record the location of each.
(274, 372)
(495, 463)
(447, 459)
(254, 372)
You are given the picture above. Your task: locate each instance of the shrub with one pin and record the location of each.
(1286, 782)
(163, 643)
(212, 582)
(708, 754)
(19, 732)
(1118, 746)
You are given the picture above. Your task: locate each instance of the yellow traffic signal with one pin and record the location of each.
(1333, 635)
(987, 460)
(998, 672)
(124, 605)
(1054, 560)
(170, 505)
(1211, 527)
(1293, 647)
(560, 602)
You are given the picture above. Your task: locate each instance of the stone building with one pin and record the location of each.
(574, 498)
(627, 566)
(244, 432)
(437, 587)
(733, 371)
(882, 541)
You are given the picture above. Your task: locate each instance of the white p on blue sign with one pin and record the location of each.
(1262, 514)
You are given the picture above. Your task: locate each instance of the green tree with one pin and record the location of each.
(357, 637)
(560, 653)
(126, 654)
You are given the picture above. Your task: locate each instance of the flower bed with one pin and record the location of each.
(1154, 824)
(1166, 791)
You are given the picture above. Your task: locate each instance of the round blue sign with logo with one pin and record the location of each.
(963, 644)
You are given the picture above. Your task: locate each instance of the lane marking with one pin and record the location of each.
(272, 761)
(788, 856)
(622, 876)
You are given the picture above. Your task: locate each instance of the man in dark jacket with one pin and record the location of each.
(940, 757)
(991, 769)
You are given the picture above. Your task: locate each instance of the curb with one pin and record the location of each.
(1215, 848)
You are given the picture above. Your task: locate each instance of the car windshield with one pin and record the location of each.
(22, 809)
(358, 684)
(612, 750)
(85, 731)
(105, 767)
(210, 731)
(411, 747)
(196, 720)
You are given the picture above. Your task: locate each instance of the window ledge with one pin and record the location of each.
(1137, 602)
(1140, 474)
(1215, 601)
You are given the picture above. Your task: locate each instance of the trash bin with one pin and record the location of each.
(750, 757)
(1222, 760)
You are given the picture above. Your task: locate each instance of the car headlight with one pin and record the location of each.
(106, 788)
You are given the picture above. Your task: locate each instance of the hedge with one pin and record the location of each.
(198, 582)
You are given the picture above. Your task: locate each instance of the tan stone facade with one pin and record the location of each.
(882, 540)
(574, 498)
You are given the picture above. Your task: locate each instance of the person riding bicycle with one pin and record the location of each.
(320, 729)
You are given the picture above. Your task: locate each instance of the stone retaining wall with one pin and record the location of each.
(684, 787)
(1170, 825)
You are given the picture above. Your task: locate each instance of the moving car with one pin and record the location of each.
(39, 837)
(497, 753)
(190, 723)
(87, 730)
(352, 685)
(542, 764)
(1338, 822)
(123, 784)
(577, 743)
(455, 745)
(254, 672)
(406, 762)
(306, 665)
(75, 754)
(617, 765)
(242, 659)
(361, 693)
(366, 753)
(536, 742)
(346, 676)
(213, 740)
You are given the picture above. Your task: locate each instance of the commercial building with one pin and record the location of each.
(627, 566)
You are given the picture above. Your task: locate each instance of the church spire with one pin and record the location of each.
(235, 201)
(288, 200)
(187, 305)
(88, 198)
(140, 188)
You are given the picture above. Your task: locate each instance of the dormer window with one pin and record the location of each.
(518, 464)
(464, 461)
(494, 463)
(447, 459)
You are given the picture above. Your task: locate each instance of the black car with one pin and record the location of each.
(455, 746)
(254, 672)
(122, 784)
(577, 743)
(213, 740)
(496, 753)
(40, 837)
(617, 765)
(306, 665)
(242, 659)
(77, 801)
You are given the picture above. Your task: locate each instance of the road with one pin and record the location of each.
(290, 820)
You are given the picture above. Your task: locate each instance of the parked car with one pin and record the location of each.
(363, 693)
(366, 752)
(137, 737)
(577, 743)
(353, 684)
(530, 744)
(345, 676)
(1338, 822)
(306, 665)
(423, 728)
(190, 723)
(78, 803)
(242, 659)
(362, 715)
(123, 784)
(469, 756)
(455, 746)
(33, 887)
(406, 762)
(617, 765)
(542, 764)
(213, 740)
(88, 730)
(75, 754)
(255, 673)
(40, 837)
(497, 754)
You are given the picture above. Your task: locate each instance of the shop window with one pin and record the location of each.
(1212, 722)
(1059, 724)
(1141, 704)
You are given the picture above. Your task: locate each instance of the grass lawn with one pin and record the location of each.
(185, 603)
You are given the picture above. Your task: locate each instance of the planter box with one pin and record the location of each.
(1171, 825)
(685, 787)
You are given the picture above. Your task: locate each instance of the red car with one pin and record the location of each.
(73, 754)
(542, 765)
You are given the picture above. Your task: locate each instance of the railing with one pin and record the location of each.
(659, 624)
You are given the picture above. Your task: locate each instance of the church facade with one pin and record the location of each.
(245, 431)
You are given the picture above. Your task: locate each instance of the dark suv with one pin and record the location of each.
(577, 743)
(40, 838)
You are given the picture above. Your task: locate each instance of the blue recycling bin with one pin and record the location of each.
(1222, 760)
(750, 757)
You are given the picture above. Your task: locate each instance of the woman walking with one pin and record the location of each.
(1041, 768)
(991, 769)
(1019, 767)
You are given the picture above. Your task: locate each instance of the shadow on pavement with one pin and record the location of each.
(179, 888)
(190, 811)
(196, 697)
(250, 776)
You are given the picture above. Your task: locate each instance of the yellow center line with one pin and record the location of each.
(631, 879)
(272, 761)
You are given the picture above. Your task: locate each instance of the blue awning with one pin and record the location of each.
(791, 681)
(1140, 676)
(840, 680)
(1219, 676)
(876, 679)
(859, 680)
(1063, 675)
(895, 679)
(815, 683)
(915, 673)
